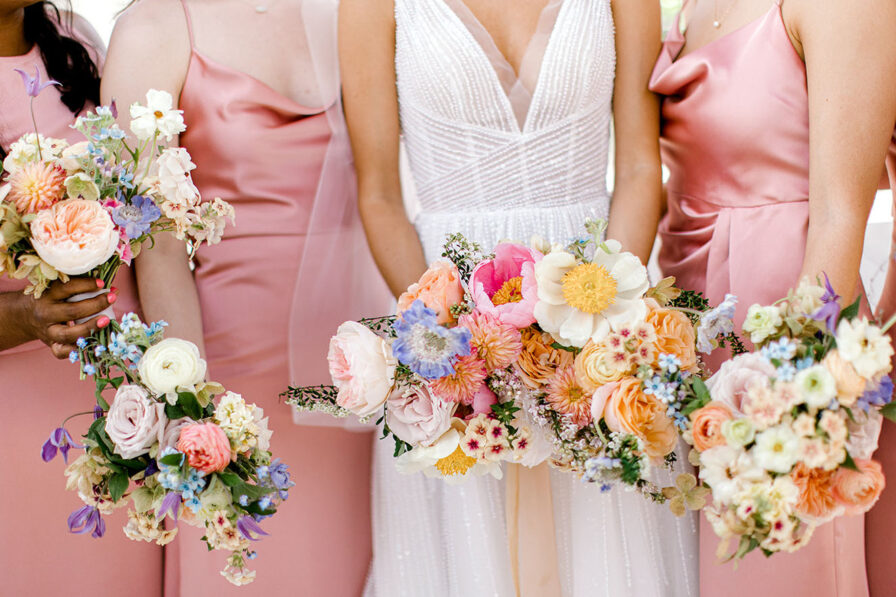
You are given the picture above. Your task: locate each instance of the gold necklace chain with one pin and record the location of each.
(717, 21)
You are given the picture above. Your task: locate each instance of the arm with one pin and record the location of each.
(150, 49)
(638, 199)
(849, 52)
(367, 57)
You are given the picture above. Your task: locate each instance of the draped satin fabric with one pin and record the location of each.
(735, 136)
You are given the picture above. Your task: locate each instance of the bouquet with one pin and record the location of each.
(166, 449)
(528, 354)
(784, 435)
(84, 209)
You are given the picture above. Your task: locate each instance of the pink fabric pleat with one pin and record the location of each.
(735, 138)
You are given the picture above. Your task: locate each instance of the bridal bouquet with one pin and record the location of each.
(84, 209)
(166, 449)
(784, 435)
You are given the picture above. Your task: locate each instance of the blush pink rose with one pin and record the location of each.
(505, 286)
(416, 416)
(135, 421)
(439, 289)
(362, 368)
(859, 490)
(74, 236)
(206, 447)
(731, 384)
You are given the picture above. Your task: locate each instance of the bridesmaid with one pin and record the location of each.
(40, 391)
(774, 140)
(259, 86)
(881, 520)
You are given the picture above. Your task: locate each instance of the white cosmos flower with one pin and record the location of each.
(578, 302)
(728, 471)
(777, 449)
(817, 386)
(157, 116)
(446, 459)
(865, 346)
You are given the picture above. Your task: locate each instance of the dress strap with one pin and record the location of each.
(183, 4)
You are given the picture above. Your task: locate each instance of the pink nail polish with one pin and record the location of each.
(111, 297)
(113, 290)
(102, 322)
(100, 283)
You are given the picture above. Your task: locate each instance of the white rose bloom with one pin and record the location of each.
(439, 459)
(805, 301)
(865, 346)
(728, 471)
(582, 301)
(777, 449)
(157, 116)
(135, 421)
(170, 365)
(817, 386)
(762, 322)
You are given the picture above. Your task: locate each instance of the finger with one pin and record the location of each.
(60, 292)
(61, 351)
(68, 334)
(60, 312)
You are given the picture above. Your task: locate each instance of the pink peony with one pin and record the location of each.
(416, 416)
(505, 286)
(731, 385)
(74, 236)
(206, 447)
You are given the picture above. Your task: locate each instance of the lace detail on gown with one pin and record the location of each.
(494, 164)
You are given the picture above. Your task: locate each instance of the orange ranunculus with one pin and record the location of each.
(439, 289)
(707, 425)
(675, 335)
(816, 495)
(629, 410)
(598, 365)
(539, 359)
(859, 490)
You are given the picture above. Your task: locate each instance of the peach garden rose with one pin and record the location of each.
(859, 490)
(628, 409)
(74, 236)
(707, 425)
(439, 289)
(675, 334)
(206, 447)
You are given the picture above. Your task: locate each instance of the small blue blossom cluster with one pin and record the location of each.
(668, 389)
(599, 469)
(781, 353)
(275, 476)
(186, 481)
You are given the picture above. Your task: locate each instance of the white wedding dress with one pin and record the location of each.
(499, 156)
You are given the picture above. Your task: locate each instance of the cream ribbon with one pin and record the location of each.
(530, 531)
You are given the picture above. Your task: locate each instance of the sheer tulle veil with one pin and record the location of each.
(337, 279)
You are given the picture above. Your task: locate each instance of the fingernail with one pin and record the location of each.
(113, 290)
(102, 322)
(100, 283)
(111, 297)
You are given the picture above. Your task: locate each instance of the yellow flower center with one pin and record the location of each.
(510, 292)
(589, 287)
(456, 463)
(158, 114)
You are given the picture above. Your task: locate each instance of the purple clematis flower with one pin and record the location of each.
(60, 440)
(279, 476)
(248, 528)
(87, 519)
(170, 506)
(33, 85)
(137, 217)
(830, 311)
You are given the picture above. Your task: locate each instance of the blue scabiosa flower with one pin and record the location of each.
(426, 347)
(137, 216)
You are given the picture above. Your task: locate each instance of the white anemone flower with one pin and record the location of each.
(777, 449)
(445, 458)
(865, 346)
(578, 302)
(157, 116)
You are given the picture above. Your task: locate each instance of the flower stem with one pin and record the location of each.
(36, 134)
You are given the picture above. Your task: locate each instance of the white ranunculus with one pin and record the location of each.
(157, 116)
(762, 322)
(777, 449)
(81, 186)
(135, 421)
(175, 184)
(578, 302)
(728, 470)
(362, 368)
(74, 236)
(817, 386)
(865, 346)
(171, 365)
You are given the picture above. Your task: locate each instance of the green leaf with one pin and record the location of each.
(118, 484)
(850, 463)
(230, 479)
(851, 311)
(889, 411)
(252, 492)
(101, 402)
(116, 383)
(190, 404)
(175, 459)
(174, 412)
(400, 447)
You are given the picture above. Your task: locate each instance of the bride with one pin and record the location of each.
(505, 108)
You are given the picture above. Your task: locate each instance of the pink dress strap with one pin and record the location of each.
(189, 21)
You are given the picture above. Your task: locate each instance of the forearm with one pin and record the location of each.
(636, 210)
(393, 242)
(13, 328)
(834, 247)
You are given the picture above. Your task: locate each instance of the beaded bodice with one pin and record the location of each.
(477, 169)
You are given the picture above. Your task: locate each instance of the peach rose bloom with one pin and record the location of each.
(598, 365)
(629, 410)
(859, 490)
(816, 491)
(675, 335)
(74, 236)
(439, 289)
(539, 360)
(850, 385)
(707, 425)
(206, 447)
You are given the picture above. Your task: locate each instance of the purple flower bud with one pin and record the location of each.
(87, 518)
(60, 440)
(170, 506)
(246, 525)
(33, 85)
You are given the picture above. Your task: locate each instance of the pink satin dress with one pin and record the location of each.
(735, 137)
(881, 520)
(263, 153)
(39, 555)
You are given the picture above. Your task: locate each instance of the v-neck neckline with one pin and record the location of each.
(478, 38)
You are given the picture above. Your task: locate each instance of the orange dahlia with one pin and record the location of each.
(36, 186)
(498, 344)
(567, 396)
(462, 385)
